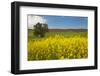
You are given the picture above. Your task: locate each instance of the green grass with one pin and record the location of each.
(52, 34)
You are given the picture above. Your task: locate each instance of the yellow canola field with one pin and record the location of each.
(58, 47)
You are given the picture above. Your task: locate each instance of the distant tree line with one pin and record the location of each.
(40, 29)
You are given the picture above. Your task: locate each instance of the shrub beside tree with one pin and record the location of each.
(40, 29)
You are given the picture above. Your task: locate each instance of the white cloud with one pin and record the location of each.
(32, 20)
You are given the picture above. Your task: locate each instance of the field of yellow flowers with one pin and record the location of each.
(58, 47)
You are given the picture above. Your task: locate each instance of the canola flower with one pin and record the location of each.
(58, 47)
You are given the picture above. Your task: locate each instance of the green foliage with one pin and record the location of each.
(40, 29)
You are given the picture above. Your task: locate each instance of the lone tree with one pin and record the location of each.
(40, 29)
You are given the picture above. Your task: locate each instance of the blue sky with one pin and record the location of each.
(66, 22)
(59, 22)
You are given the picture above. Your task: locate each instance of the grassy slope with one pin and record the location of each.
(52, 34)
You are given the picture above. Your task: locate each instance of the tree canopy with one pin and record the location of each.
(40, 29)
